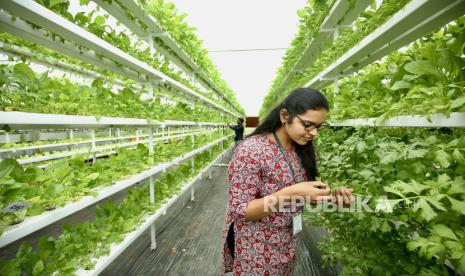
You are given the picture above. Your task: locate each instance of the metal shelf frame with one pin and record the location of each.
(152, 31)
(83, 143)
(455, 120)
(20, 18)
(93, 151)
(117, 249)
(416, 19)
(340, 16)
(25, 120)
(17, 51)
(32, 224)
(50, 21)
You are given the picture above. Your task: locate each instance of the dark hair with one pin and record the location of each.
(241, 120)
(297, 102)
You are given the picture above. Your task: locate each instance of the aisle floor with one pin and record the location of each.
(189, 244)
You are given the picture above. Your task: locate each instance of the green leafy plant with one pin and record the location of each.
(22, 90)
(97, 24)
(366, 23)
(80, 245)
(67, 180)
(418, 225)
(426, 78)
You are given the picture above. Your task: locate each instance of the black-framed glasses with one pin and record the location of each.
(309, 126)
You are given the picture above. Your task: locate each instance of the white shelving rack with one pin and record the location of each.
(117, 249)
(22, 52)
(148, 29)
(28, 120)
(416, 19)
(100, 151)
(32, 224)
(25, 120)
(8, 152)
(340, 16)
(31, 21)
(455, 120)
(14, 50)
(100, 53)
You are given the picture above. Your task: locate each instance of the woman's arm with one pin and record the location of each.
(263, 207)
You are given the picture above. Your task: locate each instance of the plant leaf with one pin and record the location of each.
(456, 205)
(426, 212)
(422, 67)
(443, 231)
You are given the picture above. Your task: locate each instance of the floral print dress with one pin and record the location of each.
(265, 246)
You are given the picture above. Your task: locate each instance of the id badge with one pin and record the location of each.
(296, 223)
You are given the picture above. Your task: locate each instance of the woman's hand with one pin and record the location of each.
(316, 191)
(343, 195)
(312, 191)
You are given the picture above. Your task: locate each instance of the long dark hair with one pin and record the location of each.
(297, 102)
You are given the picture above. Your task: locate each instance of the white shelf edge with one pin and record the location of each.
(20, 28)
(456, 120)
(98, 149)
(32, 224)
(89, 141)
(15, 50)
(27, 120)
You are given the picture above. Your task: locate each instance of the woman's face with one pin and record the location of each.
(309, 120)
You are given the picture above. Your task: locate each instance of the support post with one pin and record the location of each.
(137, 135)
(193, 172)
(118, 137)
(93, 147)
(336, 33)
(335, 91)
(70, 136)
(153, 240)
(151, 141)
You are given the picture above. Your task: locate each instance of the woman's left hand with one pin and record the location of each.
(343, 195)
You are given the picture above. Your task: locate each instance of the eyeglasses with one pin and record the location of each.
(309, 126)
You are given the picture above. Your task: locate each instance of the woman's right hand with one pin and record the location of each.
(314, 190)
(311, 192)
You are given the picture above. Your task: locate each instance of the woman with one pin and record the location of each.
(275, 162)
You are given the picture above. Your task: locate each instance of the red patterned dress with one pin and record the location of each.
(265, 246)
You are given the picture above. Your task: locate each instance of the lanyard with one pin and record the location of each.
(281, 148)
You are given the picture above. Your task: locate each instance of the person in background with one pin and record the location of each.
(276, 162)
(239, 129)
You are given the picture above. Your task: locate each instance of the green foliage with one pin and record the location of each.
(121, 39)
(22, 90)
(427, 78)
(67, 180)
(169, 18)
(366, 23)
(418, 228)
(79, 245)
